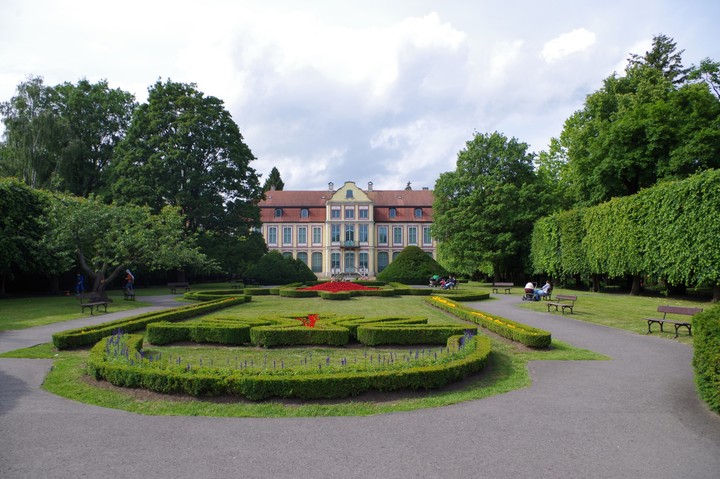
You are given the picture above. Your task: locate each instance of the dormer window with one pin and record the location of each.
(349, 194)
(304, 213)
(278, 212)
(418, 212)
(393, 213)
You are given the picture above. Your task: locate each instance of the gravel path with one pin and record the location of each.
(635, 416)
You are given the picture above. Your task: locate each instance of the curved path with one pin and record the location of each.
(635, 416)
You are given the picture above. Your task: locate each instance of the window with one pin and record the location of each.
(287, 234)
(397, 235)
(287, 254)
(317, 235)
(349, 213)
(335, 213)
(278, 212)
(383, 260)
(272, 235)
(350, 233)
(335, 233)
(349, 194)
(363, 260)
(363, 233)
(349, 262)
(302, 256)
(302, 236)
(427, 238)
(412, 235)
(316, 262)
(418, 212)
(304, 213)
(395, 254)
(364, 213)
(393, 213)
(382, 235)
(335, 261)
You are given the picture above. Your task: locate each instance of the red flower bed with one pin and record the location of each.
(337, 286)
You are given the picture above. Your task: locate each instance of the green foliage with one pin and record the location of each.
(63, 137)
(183, 149)
(412, 266)
(22, 227)
(650, 125)
(307, 385)
(274, 268)
(668, 231)
(109, 238)
(79, 337)
(484, 210)
(507, 328)
(706, 358)
(273, 181)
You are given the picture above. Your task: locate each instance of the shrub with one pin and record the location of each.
(506, 328)
(274, 268)
(412, 266)
(80, 337)
(706, 356)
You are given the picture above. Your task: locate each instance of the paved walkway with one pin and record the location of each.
(636, 416)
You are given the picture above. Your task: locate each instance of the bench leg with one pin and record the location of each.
(689, 328)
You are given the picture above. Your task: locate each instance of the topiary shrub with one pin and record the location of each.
(274, 268)
(412, 266)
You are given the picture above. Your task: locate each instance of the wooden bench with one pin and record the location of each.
(505, 286)
(129, 294)
(174, 286)
(673, 310)
(235, 284)
(92, 301)
(564, 301)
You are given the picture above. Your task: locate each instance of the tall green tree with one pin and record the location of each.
(273, 181)
(484, 210)
(184, 149)
(647, 126)
(34, 134)
(97, 118)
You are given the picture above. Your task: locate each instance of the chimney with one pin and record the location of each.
(425, 188)
(331, 185)
(370, 185)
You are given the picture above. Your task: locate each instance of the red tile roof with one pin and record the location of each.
(291, 202)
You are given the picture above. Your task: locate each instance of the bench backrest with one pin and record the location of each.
(503, 284)
(678, 310)
(90, 297)
(565, 297)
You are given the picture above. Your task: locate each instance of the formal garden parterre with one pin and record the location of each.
(353, 354)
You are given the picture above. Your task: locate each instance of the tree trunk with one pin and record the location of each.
(716, 293)
(596, 283)
(55, 284)
(635, 289)
(2, 285)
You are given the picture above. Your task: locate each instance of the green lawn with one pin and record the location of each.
(621, 311)
(21, 313)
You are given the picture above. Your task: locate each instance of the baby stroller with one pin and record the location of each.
(529, 294)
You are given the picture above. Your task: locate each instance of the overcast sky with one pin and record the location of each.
(385, 91)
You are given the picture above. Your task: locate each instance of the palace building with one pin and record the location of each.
(347, 231)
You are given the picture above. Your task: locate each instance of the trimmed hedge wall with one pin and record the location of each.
(465, 296)
(379, 334)
(706, 356)
(529, 336)
(79, 337)
(329, 385)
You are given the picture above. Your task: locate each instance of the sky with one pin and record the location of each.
(386, 91)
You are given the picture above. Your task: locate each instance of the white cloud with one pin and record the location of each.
(566, 44)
